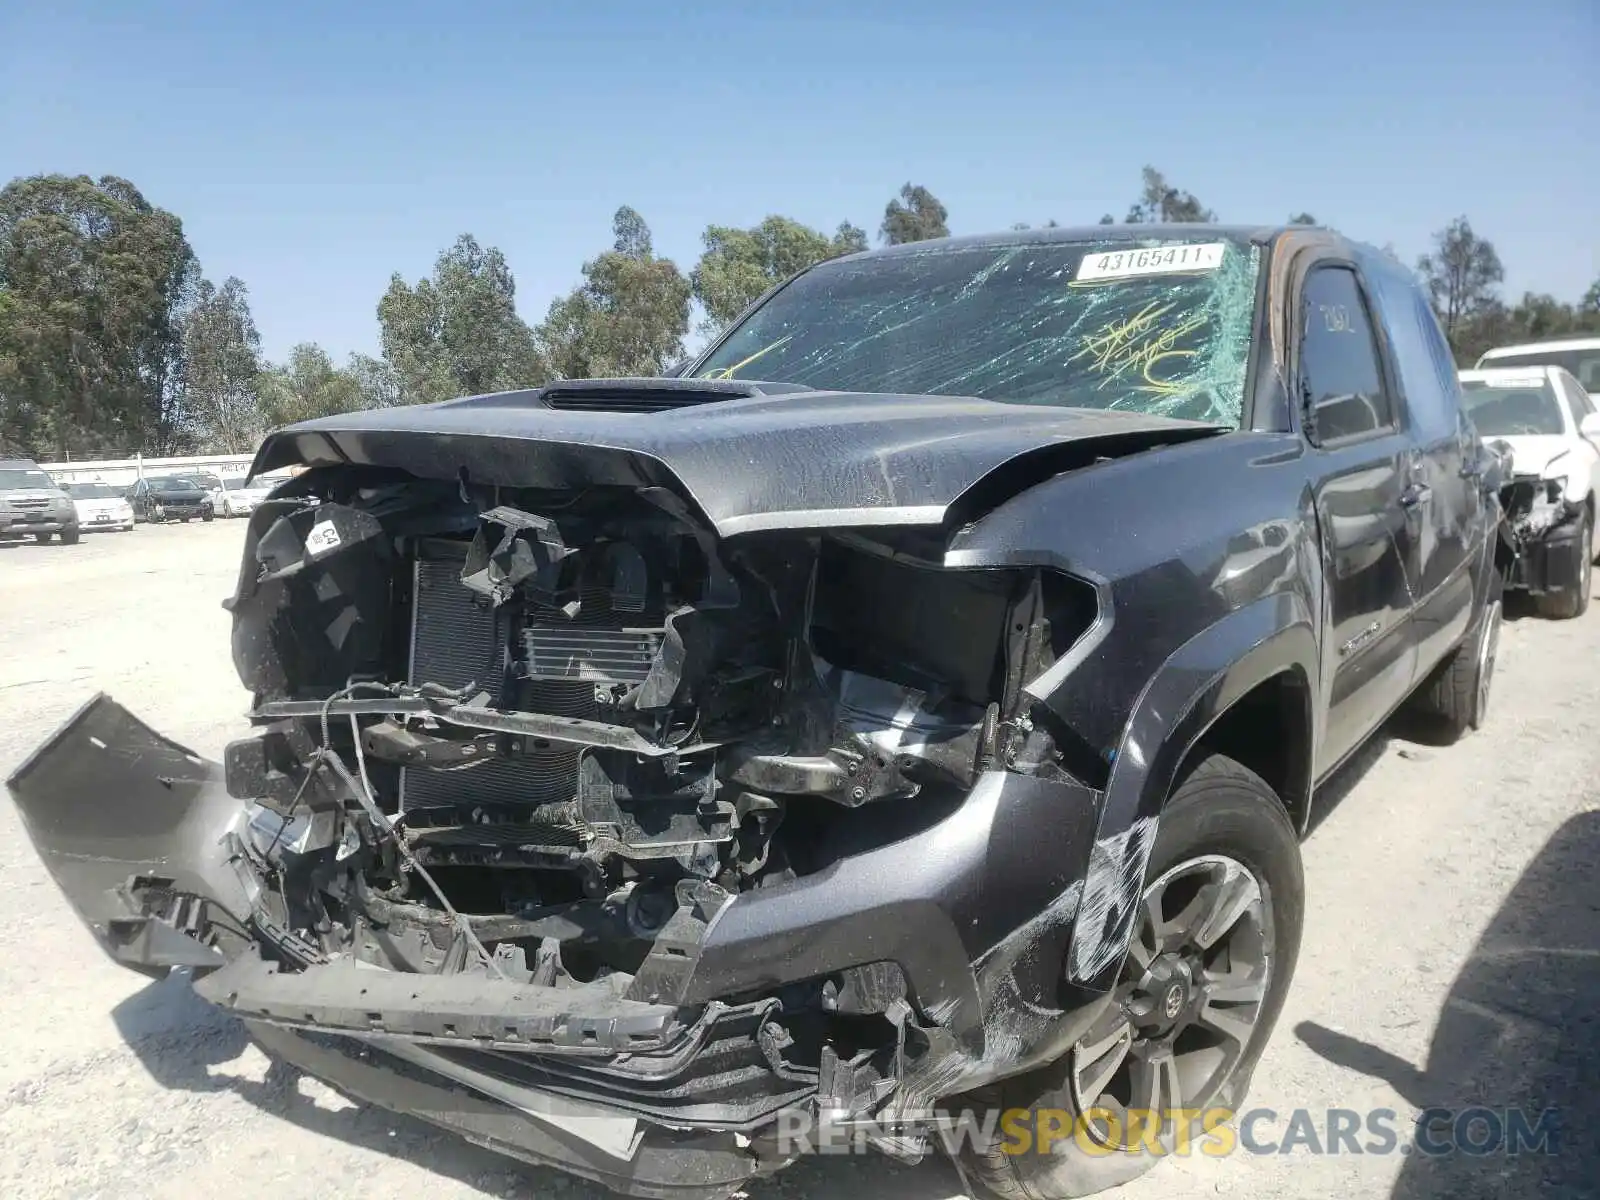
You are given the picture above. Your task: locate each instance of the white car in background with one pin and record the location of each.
(1578, 356)
(238, 497)
(1549, 423)
(101, 506)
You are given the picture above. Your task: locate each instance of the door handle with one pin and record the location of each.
(1417, 493)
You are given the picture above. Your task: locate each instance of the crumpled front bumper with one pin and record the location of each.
(1551, 563)
(666, 1089)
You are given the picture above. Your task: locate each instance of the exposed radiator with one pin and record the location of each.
(454, 642)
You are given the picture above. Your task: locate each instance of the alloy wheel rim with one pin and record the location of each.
(1487, 652)
(1186, 1005)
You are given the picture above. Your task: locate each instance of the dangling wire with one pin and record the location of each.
(362, 787)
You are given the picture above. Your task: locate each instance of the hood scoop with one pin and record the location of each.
(653, 395)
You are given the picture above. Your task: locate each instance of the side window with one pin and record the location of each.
(1569, 394)
(1579, 402)
(1341, 382)
(1427, 381)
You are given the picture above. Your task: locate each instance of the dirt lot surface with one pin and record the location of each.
(1451, 956)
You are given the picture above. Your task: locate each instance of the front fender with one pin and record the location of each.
(1197, 683)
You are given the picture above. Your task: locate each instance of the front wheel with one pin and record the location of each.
(69, 537)
(42, 538)
(207, 515)
(1204, 980)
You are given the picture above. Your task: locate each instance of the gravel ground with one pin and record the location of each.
(1450, 954)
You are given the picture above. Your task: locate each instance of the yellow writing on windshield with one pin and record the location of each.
(1145, 345)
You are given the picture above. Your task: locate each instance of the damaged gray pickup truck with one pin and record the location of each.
(911, 710)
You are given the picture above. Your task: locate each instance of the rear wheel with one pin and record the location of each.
(1573, 600)
(1204, 980)
(1457, 693)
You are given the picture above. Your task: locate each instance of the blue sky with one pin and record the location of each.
(313, 149)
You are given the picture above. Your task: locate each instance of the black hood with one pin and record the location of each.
(177, 491)
(755, 460)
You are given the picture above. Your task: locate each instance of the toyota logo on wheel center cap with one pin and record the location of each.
(1173, 1004)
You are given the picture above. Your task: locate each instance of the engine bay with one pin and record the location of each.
(521, 730)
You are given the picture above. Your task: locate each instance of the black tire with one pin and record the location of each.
(1220, 809)
(1457, 693)
(1572, 600)
(43, 538)
(208, 516)
(69, 537)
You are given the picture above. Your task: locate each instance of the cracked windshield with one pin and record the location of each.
(1156, 326)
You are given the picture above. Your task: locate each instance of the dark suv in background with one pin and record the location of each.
(170, 498)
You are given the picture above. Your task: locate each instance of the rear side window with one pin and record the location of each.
(1341, 380)
(1428, 378)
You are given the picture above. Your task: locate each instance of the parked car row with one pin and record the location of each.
(916, 703)
(32, 504)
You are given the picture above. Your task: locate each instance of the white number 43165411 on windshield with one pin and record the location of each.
(1152, 260)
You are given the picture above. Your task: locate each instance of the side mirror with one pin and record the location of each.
(1589, 427)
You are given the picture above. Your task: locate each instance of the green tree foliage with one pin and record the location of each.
(221, 369)
(1302, 218)
(97, 281)
(380, 384)
(309, 385)
(1161, 202)
(458, 333)
(1463, 277)
(627, 317)
(1591, 299)
(1536, 317)
(738, 265)
(914, 216)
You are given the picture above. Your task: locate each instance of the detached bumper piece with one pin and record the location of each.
(719, 1067)
(139, 833)
(623, 1155)
(476, 1008)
